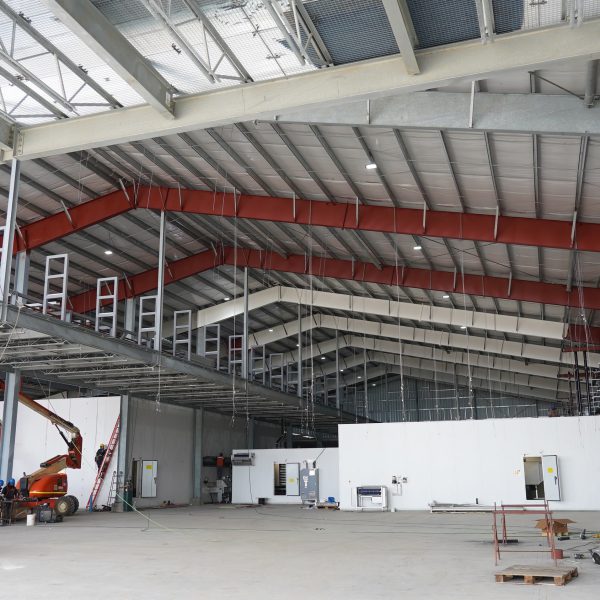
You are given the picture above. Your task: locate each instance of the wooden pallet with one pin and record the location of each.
(328, 506)
(531, 574)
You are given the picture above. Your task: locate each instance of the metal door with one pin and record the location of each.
(292, 479)
(551, 477)
(149, 475)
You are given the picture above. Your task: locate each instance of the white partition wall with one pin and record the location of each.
(474, 461)
(249, 483)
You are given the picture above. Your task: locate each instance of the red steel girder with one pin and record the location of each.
(72, 220)
(477, 285)
(442, 281)
(545, 233)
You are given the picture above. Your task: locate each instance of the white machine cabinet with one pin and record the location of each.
(371, 497)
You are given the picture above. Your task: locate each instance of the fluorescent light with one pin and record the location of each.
(297, 345)
(308, 437)
(227, 298)
(360, 376)
(341, 370)
(371, 166)
(373, 384)
(417, 247)
(322, 358)
(294, 433)
(271, 330)
(463, 326)
(108, 252)
(445, 296)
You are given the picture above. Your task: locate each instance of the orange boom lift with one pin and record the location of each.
(49, 484)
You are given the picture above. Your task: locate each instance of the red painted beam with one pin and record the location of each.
(545, 233)
(589, 337)
(145, 282)
(59, 225)
(438, 224)
(442, 281)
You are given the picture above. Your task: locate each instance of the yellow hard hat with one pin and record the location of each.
(102, 446)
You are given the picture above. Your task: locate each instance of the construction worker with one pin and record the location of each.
(1, 503)
(220, 463)
(100, 455)
(10, 491)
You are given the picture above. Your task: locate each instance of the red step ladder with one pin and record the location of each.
(110, 449)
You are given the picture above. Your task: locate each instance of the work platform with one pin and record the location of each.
(72, 356)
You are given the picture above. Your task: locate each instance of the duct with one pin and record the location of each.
(396, 310)
(434, 367)
(423, 352)
(450, 378)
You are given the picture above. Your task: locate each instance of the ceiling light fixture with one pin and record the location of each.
(341, 370)
(445, 296)
(360, 377)
(322, 358)
(226, 298)
(463, 326)
(108, 252)
(417, 247)
(371, 166)
(270, 330)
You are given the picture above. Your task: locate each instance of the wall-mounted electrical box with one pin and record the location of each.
(371, 497)
(242, 459)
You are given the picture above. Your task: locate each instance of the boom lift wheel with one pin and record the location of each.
(64, 506)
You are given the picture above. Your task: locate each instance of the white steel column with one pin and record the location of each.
(245, 328)
(366, 385)
(160, 289)
(21, 283)
(9, 423)
(250, 425)
(9, 238)
(123, 460)
(300, 370)
(129, 322)
(337, 371)
(197, 456)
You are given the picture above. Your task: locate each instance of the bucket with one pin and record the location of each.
(30, 520)
(557, 553)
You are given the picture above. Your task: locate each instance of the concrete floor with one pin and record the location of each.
(276, 552)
